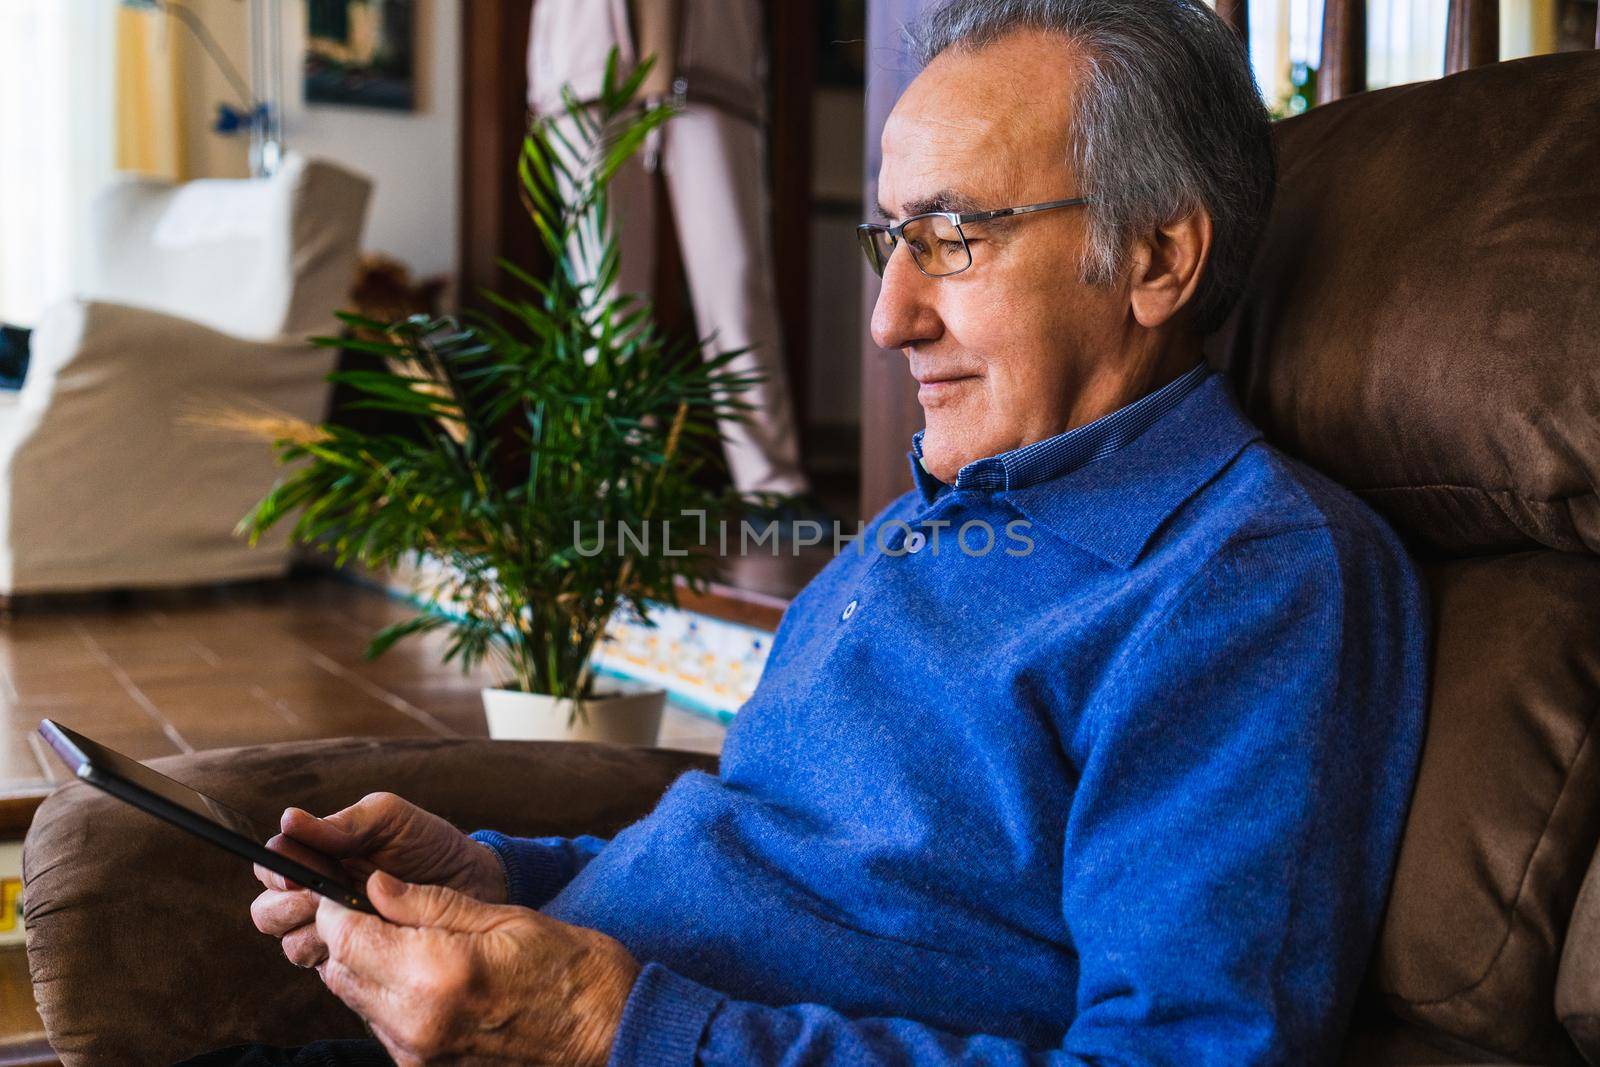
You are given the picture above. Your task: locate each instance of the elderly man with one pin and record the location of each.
(1120, 780)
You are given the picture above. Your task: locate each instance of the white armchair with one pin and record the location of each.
(200, 296)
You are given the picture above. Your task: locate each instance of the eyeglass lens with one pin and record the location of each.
(935, 242)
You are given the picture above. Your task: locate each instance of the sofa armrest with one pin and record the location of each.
(105, 423)
(152, 350)
(140, 941)
(98, 365)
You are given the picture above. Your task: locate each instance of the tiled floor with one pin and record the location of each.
(160, 673)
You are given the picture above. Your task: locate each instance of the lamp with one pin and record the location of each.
(261, 113)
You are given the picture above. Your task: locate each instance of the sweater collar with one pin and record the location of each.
(1108, 485)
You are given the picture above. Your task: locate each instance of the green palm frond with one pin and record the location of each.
(568, 408)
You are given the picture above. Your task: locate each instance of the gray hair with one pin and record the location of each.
(1169, 119)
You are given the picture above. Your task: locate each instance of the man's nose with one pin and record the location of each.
(905, 313)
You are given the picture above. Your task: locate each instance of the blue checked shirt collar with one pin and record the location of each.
(1113, 507)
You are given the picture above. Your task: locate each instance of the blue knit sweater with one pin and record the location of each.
(1129, 793)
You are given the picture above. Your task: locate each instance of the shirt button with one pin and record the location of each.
(915, 542)
(849, 610)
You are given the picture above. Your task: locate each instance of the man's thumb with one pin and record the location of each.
(406, 904)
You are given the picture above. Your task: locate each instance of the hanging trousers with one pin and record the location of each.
(713, 166)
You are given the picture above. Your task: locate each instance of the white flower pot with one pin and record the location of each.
(623, 713)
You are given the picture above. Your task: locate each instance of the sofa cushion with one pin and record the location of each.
(1421, 319)
(1506, 812)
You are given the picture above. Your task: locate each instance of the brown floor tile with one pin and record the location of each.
(109, 718)
(49, 680)
(220, 713)
(151, 645)
(459, 704)
(161, 673)
(148, 743)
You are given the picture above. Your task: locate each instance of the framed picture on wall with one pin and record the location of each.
(361, 53)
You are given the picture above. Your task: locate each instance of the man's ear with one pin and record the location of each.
(1165, 267)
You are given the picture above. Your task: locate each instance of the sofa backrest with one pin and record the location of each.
(262, 259)
(1422, 325)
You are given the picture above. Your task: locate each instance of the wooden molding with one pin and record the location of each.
(744, 606)
(494, 120)
(16, 814)
(792, 63)
(1344, 50)
(1472, 34)
(890, 413)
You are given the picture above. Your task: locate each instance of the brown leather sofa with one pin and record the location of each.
(1424, 326)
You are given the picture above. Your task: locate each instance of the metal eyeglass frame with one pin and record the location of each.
(866, 231)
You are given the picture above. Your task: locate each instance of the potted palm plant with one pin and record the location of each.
(552, 435)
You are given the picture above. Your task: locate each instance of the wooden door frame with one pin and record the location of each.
(494, 118)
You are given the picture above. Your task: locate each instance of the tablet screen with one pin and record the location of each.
(191, 810)
(78, 751)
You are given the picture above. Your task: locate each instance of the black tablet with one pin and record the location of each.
(131, 781)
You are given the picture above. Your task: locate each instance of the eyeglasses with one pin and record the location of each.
(937, 240)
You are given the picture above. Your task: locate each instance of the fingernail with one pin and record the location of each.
(391, 885)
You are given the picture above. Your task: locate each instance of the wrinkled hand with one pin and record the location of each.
(443, 978)
(379, 831)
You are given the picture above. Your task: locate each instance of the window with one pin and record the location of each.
(55, 143)
(1405, 43)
